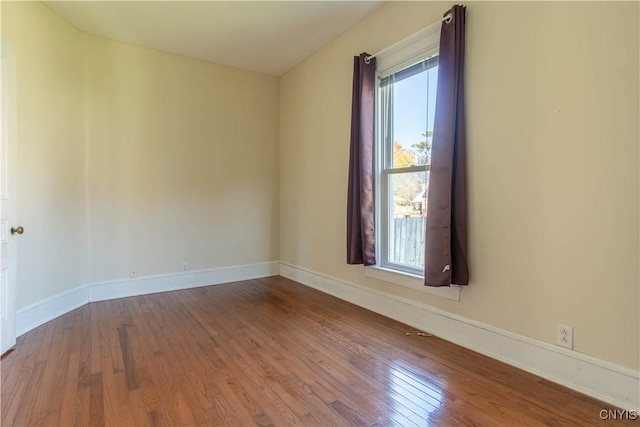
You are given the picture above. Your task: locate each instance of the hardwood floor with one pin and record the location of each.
(263, 352)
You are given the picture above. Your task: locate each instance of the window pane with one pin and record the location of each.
(408, 210)
(407, 106)
(413, 107)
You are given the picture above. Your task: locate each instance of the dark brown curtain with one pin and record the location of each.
(360, 207)
(446, 235)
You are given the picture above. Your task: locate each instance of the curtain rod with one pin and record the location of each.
(448, 17)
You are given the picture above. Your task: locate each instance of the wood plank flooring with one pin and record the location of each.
(263, 352)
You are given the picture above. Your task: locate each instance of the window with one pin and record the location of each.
(407, 75)
(406, 104)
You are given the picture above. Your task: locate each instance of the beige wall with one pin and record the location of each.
(130, 157)
(182, 162)
(52, 253)
(552, 92)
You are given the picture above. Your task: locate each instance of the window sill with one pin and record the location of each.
(412, 281)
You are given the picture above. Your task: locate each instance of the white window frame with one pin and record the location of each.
(404, 54)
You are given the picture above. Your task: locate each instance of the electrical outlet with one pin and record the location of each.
(185, 266)
(133, 272)
(564, 336)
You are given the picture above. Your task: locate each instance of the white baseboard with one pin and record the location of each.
(43, 311)
(175, 281)
(611, 383)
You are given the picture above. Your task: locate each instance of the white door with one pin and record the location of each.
(9, 230)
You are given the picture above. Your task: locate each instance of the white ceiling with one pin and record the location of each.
(265, 36)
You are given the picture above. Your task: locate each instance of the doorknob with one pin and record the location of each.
(17, 230)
